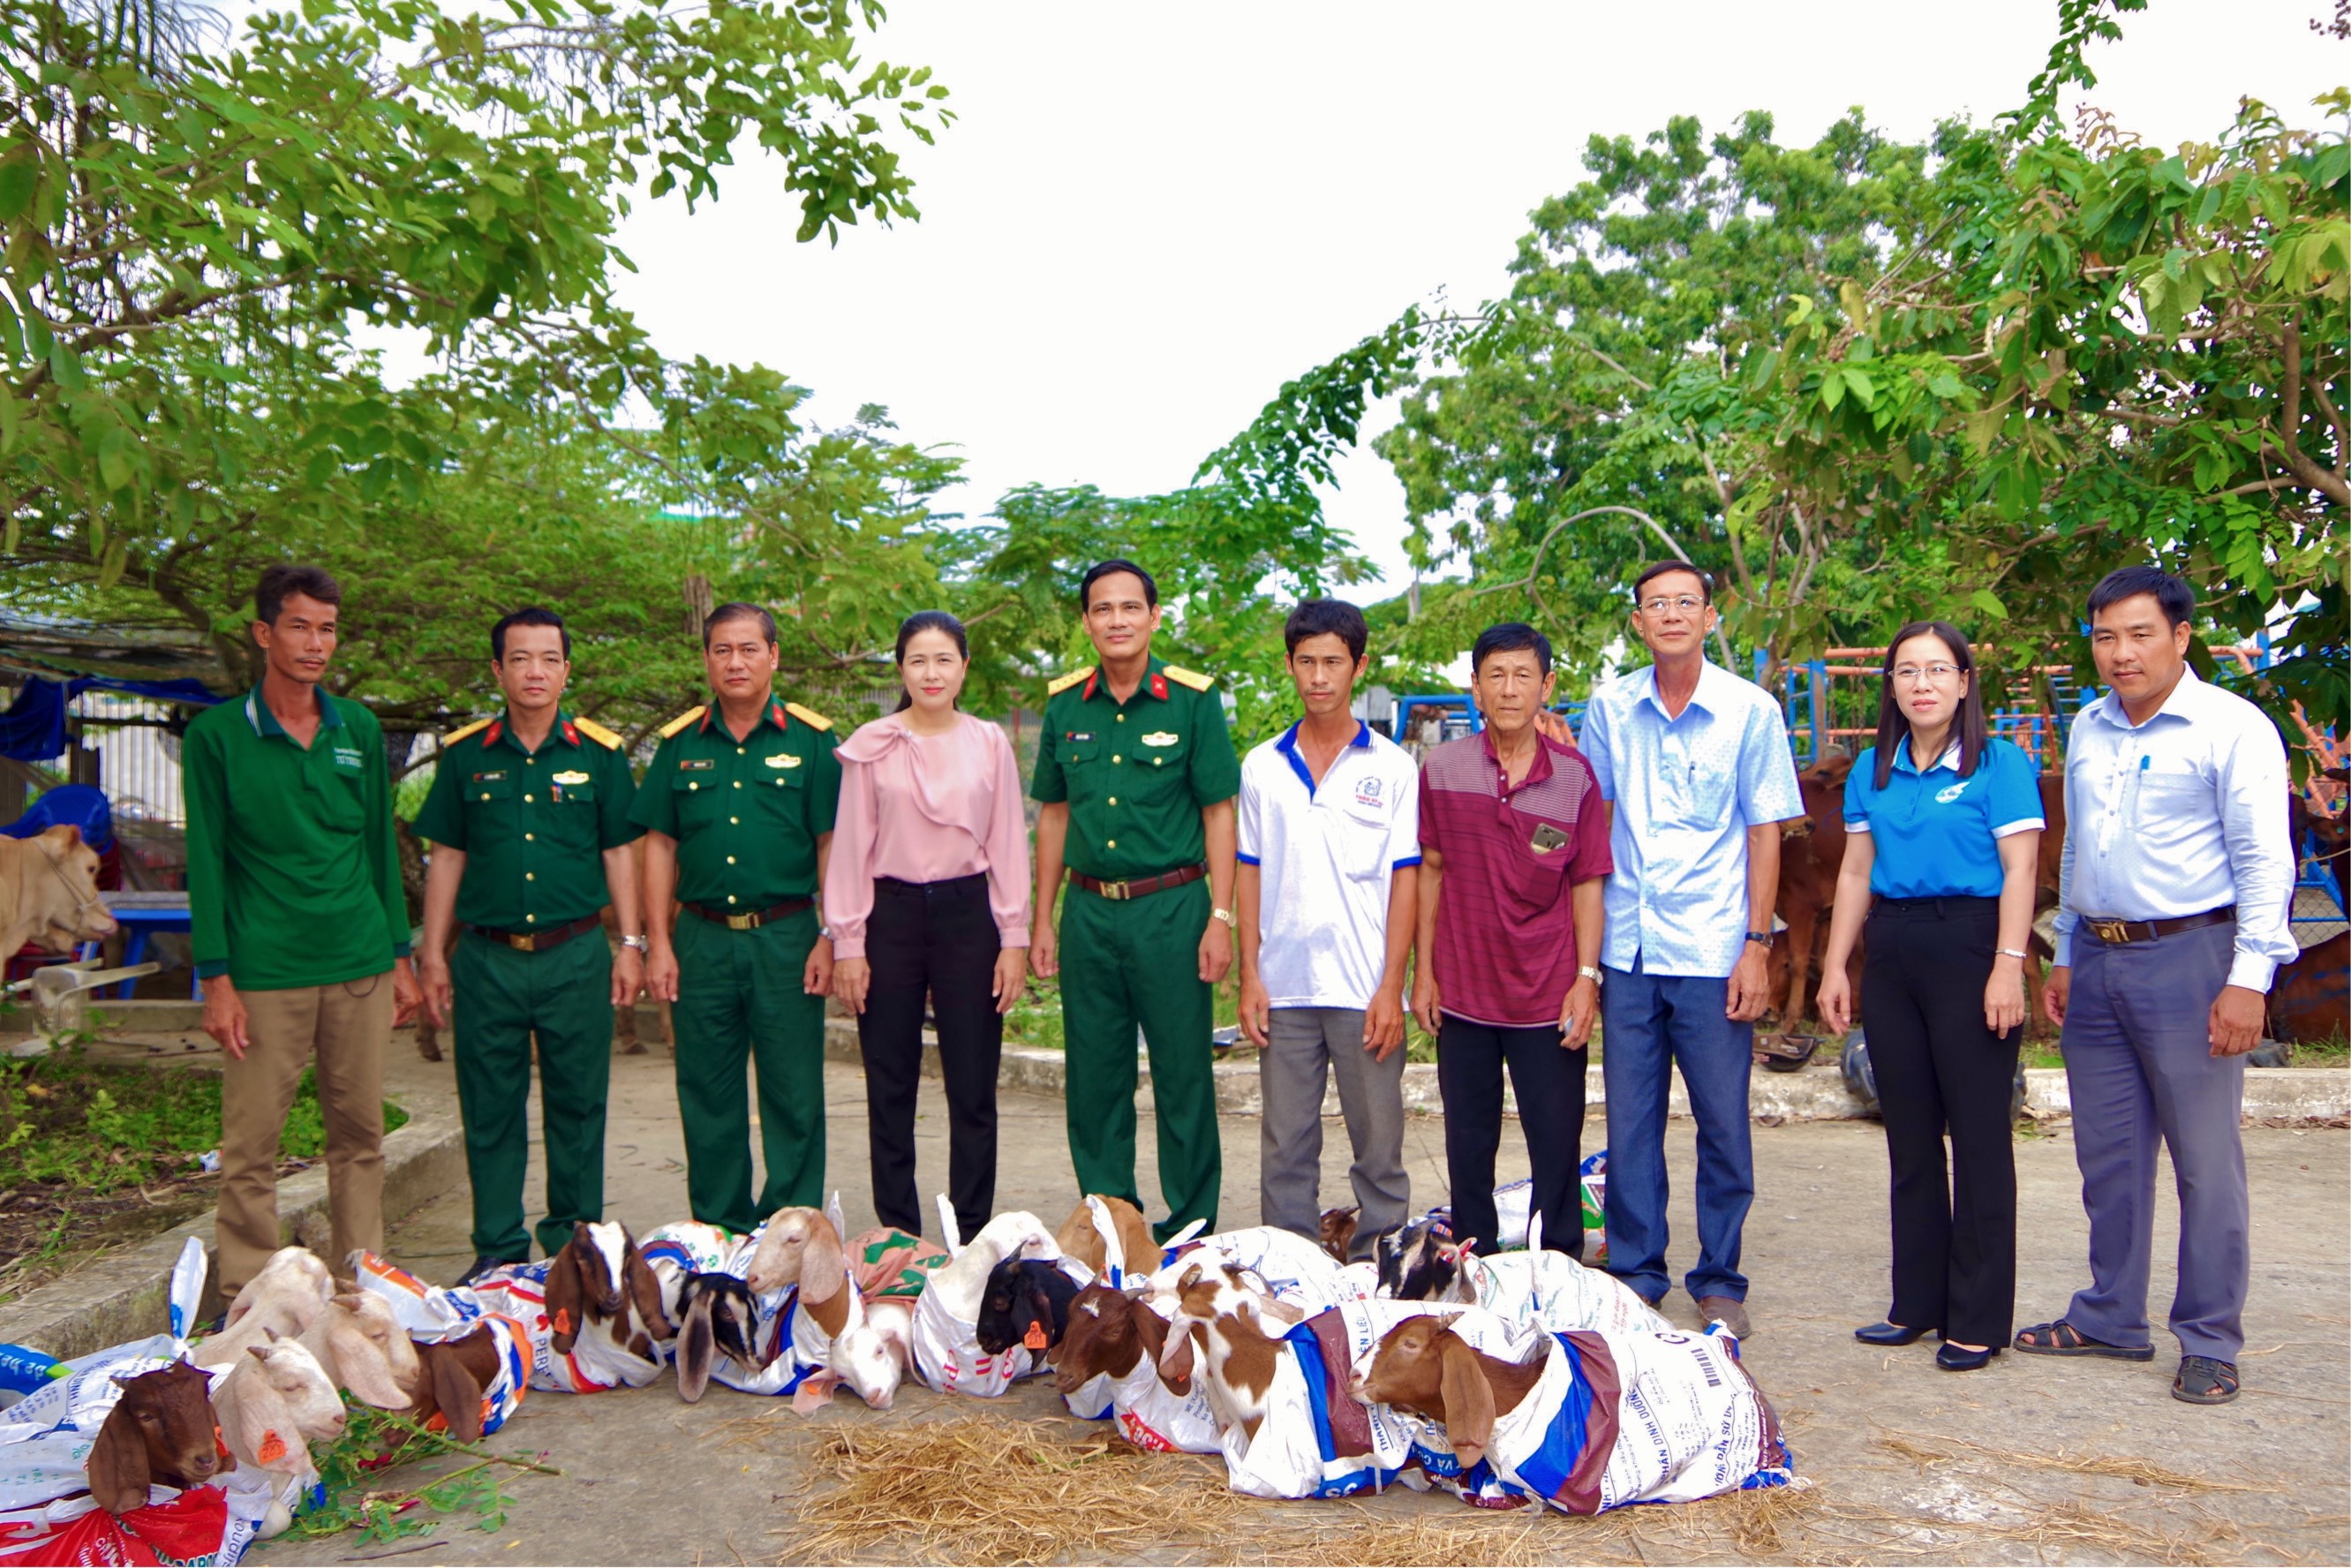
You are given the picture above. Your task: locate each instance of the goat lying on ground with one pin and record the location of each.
(948, 1354)
(160, 1432)
(361, 1347)
(271, 1404)
(598, 1288)
(452, 1377)
(1028, 1305)
(715, 1317)
(1080, 1234)
(1419, 1261)
(1541, 1415)
(1108, 1365)
(283, 1301)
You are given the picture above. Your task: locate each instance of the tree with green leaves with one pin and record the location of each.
(206, 239)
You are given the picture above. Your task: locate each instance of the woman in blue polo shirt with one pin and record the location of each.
(1942, 833)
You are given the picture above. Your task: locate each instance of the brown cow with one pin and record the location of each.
(1810, 851)
(48, 892)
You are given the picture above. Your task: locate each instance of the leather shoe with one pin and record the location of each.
(484, 1265)
(1890, 1334)
(1727, 1311)
(1951, 1358)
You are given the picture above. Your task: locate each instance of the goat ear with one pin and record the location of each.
(644, 1290)
(814, 1393)
(1175, 1354)
(565, 1299)
(118, 1465)
(824, 1268)
(1468, 1401)
(458, 1397)
(362, 1367)
(262, 1414)
(694, 1349)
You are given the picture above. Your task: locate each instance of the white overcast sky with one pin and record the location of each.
(1146, 218)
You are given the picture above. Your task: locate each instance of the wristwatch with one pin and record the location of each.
(1224, 914)
(1762, 936)
(1588, 972)
(2019, 954)
(636, 942)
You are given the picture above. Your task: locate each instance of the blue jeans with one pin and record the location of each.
(1648, 1024)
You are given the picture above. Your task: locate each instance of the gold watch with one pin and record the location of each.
(1224, 914)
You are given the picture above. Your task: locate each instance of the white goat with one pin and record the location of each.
(280, 1302)
(947, 1314)
(363, 1346)
(271, 1403)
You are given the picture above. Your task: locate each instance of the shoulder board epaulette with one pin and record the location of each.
(691, 716)
(1192, 678)
(596, 733)
(808, 716)
(455, 735)
(1057, 687)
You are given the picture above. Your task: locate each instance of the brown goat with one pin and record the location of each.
(1108, 1331)
(1338, 1232)
(599, 1279)
(452, 1376)
(1080, 1239)
(162, 1431)
(1423, 1366)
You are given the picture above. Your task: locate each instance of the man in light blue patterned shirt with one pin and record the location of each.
(2179, 876)
(1696, 764)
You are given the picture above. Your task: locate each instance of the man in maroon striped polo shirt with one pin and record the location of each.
(1514, 848)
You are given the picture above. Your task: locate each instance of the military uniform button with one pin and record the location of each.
(737, 821)
(1114, 756)
(528, 838)
(529, 919)
(1113, 799)
(730, 898)
(530, 876)
(738, 783)
(730, 859)
(1110, 843)
(692, 785)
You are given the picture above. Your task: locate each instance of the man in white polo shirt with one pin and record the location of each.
(1329, 841)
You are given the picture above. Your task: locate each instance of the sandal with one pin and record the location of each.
(2205, 1380)
(2062, 1338)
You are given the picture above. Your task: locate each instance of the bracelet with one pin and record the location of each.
(2017, 953)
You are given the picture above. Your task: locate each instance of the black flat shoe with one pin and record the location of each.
(1890, 1334)
(483, 1265)
(1951, 1358)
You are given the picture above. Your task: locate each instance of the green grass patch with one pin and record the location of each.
(103, 1128)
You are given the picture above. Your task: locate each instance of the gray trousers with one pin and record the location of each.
(2140, 1066)
(1299, 1045)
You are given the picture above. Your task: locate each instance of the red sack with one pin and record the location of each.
(193, 1528)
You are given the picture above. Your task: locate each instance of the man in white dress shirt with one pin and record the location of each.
(2178, 874)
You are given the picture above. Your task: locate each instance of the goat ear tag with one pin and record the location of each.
(272, 1448)
(1035, 1338)
(562, 1320)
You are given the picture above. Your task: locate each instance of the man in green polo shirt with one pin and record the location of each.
(529, 820)
(738, 808)
(300, 926)
(1137, 771)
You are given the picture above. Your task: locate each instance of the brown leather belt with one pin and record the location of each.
(1137, 886)
(538, 941)
(2123, 932)
(752, 919)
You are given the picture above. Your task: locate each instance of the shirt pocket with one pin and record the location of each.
(694, 793)
(1083, 767)
(1707, 795)
(2170, 810)
(779, 794)
(1361, 847)
(1534, 877)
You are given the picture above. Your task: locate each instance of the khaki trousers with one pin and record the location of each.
(347, 1026)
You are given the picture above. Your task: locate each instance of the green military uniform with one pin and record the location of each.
(1135, 775)
(747, 816)
(531, 961)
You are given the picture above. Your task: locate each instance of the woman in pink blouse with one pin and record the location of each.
(927, 891)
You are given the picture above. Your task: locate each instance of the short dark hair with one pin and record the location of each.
(1327, 618)
(1509, 637)
(922, 621)
(282, 580)
(1660, 568)
(529, 615)
(1112, 568)
(735, 609)
(2174, 593)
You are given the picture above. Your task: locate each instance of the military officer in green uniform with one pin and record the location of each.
(529, 815)
(738, 808)
(1137, 776)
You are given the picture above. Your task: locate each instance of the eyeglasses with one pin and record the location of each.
(1910, 675)
(1688, 605)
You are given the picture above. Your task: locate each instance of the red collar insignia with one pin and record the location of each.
(1159, 685)
(709, 713)
(1087, 695)
(570, 736)
(490, 735)
(776, 715)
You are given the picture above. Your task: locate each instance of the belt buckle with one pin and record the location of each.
(742, 923)
(523, 941)
(2114, 932)
(1120, 889)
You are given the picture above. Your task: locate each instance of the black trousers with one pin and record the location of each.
(936, 939)
(1941, 1072)
(1550, 1085)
